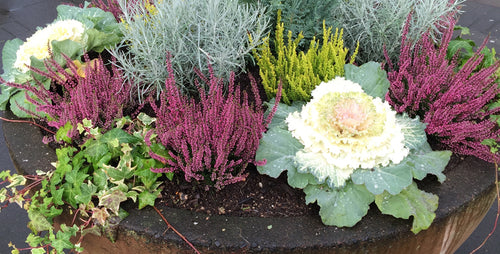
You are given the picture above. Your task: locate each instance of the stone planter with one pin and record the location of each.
(464, 199)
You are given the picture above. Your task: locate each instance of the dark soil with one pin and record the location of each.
(259, 196)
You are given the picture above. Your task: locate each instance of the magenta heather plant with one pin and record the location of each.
(453, 103)
(99, 95)
(211, 138)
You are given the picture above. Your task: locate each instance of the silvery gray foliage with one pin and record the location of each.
(195, 33)
(375, 23)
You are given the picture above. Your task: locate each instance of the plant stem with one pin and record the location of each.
(26, 121)
(177, 232)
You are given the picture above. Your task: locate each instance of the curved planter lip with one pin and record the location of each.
(468, 190)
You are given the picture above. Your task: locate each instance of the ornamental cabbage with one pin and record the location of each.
(346, 149)
(342, 129)
(39, 44)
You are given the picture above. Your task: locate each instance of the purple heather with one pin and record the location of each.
(453, 102)
(211, 138)
(97, 95)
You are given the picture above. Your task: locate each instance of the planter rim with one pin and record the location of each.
(467, 181)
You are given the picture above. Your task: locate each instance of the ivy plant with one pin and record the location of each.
(108, 169)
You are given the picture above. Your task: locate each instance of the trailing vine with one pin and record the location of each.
(92, 182)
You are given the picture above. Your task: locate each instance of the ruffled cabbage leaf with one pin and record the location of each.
(340, 207)
(410, 202)
(371, 77)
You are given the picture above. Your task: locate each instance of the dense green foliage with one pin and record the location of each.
(303, 16)
(108, 169)
(298, 71)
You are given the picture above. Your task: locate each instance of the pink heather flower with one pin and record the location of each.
(210, 139)
(98, 95)
(454, 103)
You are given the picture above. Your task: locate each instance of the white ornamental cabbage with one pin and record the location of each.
(343, 129)
(38, 45)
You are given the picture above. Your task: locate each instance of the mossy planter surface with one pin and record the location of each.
(464, 199)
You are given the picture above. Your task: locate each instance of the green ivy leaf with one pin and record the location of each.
(36, 251)
(34, 240)
(76, 177)
(370, 76)
(5, 174)
(57, 195)
(86, 192)
(112, 200)
(62, 239)
(147, 198)
(62, 133)
(410, 202)
(459, 44)
(159, 149)
(100, 179)
(463, 30)
(278, 148)
(143, 171)
(146, 119)
(70, 193)
(95, 149)
(340, 207)
(64, 156)
(38, 222)
(124, 170)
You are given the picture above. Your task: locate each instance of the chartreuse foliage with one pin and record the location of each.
(101, 31)
(391, 187)
(298, 71)
(110, 168)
